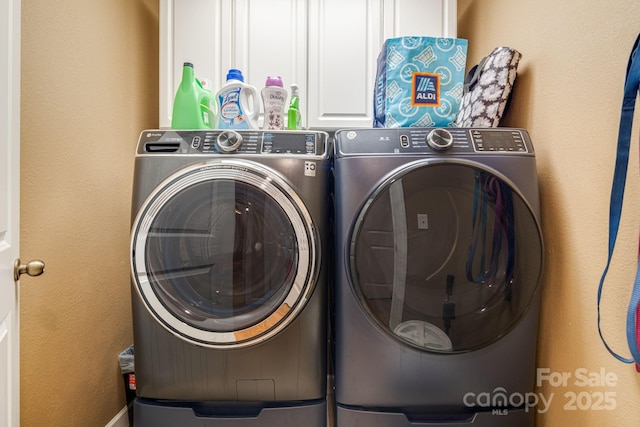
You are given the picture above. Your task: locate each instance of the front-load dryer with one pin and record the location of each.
(439, 256)
(229, 292)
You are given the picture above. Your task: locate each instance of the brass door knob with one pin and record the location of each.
(32, 268)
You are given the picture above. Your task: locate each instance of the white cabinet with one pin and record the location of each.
(328, 47)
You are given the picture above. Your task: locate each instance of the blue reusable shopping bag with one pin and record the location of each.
(419, 82)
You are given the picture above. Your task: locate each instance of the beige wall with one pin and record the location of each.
(89, 85)
(568, 95)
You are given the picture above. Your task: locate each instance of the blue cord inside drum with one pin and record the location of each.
(490, 190)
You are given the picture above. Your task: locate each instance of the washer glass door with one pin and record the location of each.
(446, 256)
(224, 253)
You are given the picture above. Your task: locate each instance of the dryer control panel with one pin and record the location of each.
(216, 141)
(435, 140)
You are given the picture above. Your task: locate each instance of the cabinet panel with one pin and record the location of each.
(343, 45)
(345, 39)
(276, 40)
(190, 31)
(269, 39)
(436, 18)
(260, 38)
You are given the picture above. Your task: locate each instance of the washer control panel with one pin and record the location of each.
(303, 143)
(498, 140)
(434, 140)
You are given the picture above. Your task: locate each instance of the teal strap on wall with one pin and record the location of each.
(631, 87)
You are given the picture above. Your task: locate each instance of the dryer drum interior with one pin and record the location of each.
(223, 255)
(446, 256)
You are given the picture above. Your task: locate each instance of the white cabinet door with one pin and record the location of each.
(328, 47)
(344, 41)
(190, 31)
(268, 38)
(435, 18)
(345, 38)
(258, 37)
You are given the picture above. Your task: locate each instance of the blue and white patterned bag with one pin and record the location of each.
(419, 82)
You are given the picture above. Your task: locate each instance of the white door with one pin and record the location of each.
(9, 210)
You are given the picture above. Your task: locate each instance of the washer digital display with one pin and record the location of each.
(289, 143)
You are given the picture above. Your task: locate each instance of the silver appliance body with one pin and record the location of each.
(438, 261)
(229, 289)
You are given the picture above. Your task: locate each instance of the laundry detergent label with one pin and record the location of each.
(419, 82)
(231, 115)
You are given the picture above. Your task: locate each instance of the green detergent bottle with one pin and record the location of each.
(193, 105)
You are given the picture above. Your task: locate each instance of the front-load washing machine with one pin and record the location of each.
(439, 257)
(229, 292)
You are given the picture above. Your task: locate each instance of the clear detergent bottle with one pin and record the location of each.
(238, 103)
(193, 105)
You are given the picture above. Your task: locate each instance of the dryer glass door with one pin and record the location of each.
(446, 257)
(223, 254)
